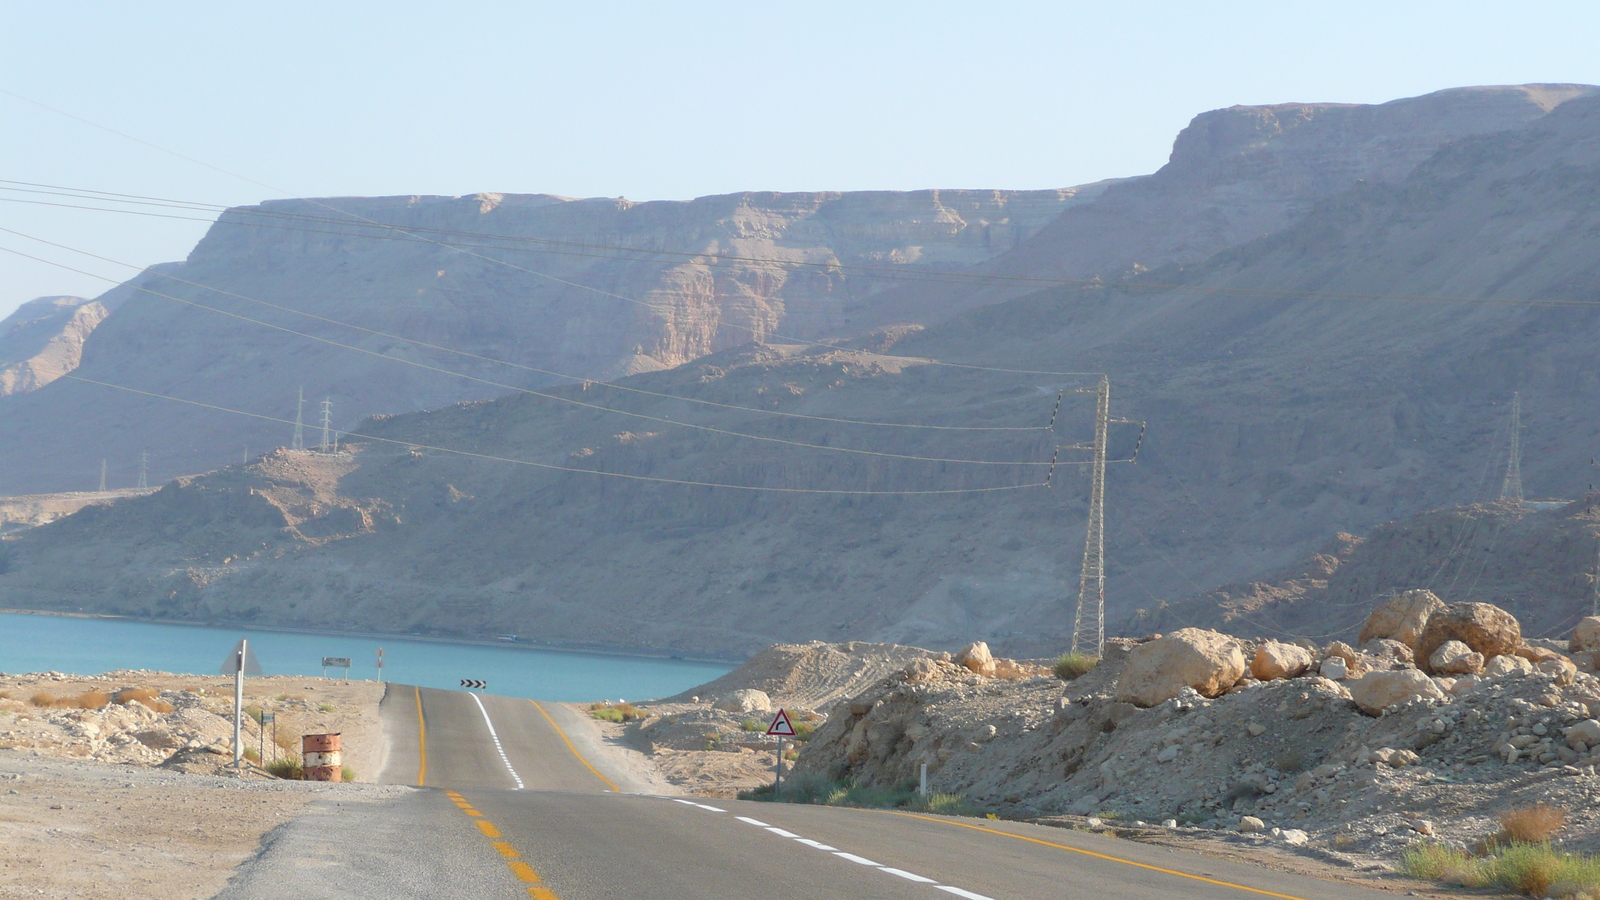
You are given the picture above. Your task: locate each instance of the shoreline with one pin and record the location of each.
(542, 646)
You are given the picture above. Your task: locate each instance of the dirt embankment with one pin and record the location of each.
(107, 799)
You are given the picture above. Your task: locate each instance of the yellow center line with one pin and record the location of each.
(1107, 857)
(422, 742)
(574, 750)
(523, 872)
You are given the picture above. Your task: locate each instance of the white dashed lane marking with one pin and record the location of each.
(860, 860)
(496, 737)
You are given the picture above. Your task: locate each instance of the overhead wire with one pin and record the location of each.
(528, 368)
(551, 466)
(542, 394)
(712, 258)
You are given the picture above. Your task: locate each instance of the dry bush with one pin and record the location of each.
(42, 699)
(93, 700)
(1532, 824)
(5, 695)
(144, 697)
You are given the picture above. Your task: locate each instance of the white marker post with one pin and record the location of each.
(240, 662)
(780, 728)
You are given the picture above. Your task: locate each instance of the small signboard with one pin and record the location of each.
(780, 726)
(242, 659)
(336, 662)
(268, 718)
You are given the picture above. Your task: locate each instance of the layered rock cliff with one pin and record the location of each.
(557, 289)
(43, 340)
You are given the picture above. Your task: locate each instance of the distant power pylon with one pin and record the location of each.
(1089, 626)
(144, 469)
(1511, 487)
(299, 441)
(102, 476)
(327, 423)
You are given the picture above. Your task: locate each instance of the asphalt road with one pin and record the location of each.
(568, 832)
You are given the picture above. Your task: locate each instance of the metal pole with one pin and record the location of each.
(778, 785)
(238, 704)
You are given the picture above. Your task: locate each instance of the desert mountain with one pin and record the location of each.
(43, 339)
(1349, 369)
(591, 289)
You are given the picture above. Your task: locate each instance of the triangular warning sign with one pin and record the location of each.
(780, 725)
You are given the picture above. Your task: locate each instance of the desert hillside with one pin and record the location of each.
(1350, 369)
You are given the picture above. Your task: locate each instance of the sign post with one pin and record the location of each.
(240, 662)
(380, 665)
(780, 728)
(336, 662)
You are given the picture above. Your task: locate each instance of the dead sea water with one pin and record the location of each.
(89, 646)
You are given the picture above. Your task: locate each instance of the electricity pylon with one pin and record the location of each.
(299, 441)
(1089, 626)
(144, 469)
(1511, 487)
(102, 476)
(327, 422)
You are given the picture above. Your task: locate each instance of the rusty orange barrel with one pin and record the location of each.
(322, 759)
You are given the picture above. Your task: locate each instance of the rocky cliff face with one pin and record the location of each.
(591, 289)
(1237, 174)
(43, 340)
(1350, 369)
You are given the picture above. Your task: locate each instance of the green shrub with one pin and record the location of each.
(751, 725)
(803, 731)
(1528, 869)
(325, 708)
(347, 774)
(809, 787)
(606, 713)
(1070, 666)
(254, 712)
(286, 767)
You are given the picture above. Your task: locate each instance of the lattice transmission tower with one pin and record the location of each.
(327, 425)
(1511, 487)
(1089, 626)
(299, 441)
(144, 469)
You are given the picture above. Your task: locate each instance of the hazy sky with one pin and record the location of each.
(673, 100)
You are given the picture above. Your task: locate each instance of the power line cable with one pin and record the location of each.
(709, 258)
(550, 466)
(531, 392)
(522, 366)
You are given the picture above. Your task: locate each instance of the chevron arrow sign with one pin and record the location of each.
(474, 683)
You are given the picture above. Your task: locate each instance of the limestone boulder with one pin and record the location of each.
(1376, 691)
(1536, 655)
(1156, 671)
(1585, 635)
(1484, 627)
(1275, 660)
(1334, 668)
(1455, 658)
(1402, 618)
(1507, 664)
(747, 700)
(1586, 732)
(1390, 651)
(977, 658)
(1561, 669)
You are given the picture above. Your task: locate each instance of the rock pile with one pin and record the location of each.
(1363, 750)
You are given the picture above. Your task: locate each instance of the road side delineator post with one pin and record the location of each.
(322, 760)
(780, 728)
(240, 662)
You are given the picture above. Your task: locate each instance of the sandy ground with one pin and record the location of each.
(87, 831)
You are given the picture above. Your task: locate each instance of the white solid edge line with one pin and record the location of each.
(856, 859)
(711, 808)
(960, 893)
(684, 802)
(909, 876)
(781, 833)
(817, 844)
(496, 737)
(749, 821)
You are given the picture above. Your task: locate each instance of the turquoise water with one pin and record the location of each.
(89, 646)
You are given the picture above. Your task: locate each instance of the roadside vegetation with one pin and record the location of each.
(1070, 666)
(616, 712)
(819, 791)
(1517, 858)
